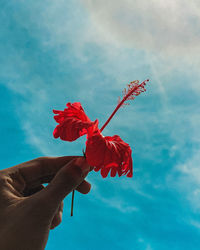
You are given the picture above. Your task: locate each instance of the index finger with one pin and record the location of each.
(40, 170)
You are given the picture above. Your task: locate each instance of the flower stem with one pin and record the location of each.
(72, 204)
(120, 104)
(73, 192)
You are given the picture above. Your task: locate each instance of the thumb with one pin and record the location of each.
(66, 180)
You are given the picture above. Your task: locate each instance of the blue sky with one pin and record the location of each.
(53, 52)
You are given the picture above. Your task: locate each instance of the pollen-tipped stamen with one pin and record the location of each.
(136, 90)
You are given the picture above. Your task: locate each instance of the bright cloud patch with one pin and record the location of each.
(189, 174)
(165, 26)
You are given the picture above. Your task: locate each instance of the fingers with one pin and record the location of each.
(67, 179)
(57, 217)
(40, 170)
(31, 191)
(84, 187)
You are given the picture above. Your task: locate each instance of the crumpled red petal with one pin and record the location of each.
(73, 122)
(109, 154)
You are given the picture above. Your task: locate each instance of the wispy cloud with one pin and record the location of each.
(117, 204)
(186, 179)
(195, 223)
(165, 26)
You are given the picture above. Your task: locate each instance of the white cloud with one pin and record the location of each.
(185, 178)
(37, 141)
(191, 168)
(166, 26)
(116, 203)
(195, 224)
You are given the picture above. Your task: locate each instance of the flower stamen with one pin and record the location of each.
(134, 89)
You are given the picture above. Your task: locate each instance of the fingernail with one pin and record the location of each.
(82, 163)
(60, 214)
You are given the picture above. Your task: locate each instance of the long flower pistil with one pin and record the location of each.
(133, 90)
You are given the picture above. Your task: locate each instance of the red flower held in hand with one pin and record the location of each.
(108, 153)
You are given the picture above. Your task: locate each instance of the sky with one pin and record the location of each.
(54, 52)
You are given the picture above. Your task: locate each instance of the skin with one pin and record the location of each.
(28, 210)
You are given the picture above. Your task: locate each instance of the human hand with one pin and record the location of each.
(28, 210)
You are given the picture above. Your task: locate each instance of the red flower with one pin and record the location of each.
(73, 122)
(105, 153)
(109, 153)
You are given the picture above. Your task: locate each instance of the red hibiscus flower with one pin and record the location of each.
(108, 153)
(73, 122)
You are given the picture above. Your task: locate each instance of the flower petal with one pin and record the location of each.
(109, 153)
(73, 122)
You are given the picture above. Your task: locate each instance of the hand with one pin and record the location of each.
(28, 210)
